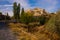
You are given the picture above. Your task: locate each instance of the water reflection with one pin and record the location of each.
(3, 25)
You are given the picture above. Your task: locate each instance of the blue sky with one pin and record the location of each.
(49, 5)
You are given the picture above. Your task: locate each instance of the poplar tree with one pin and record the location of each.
(22, 12)
(16, 11)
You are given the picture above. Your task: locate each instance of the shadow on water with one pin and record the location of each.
(5, 32)
(3, 25)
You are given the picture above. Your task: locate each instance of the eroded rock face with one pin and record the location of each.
(36, 11)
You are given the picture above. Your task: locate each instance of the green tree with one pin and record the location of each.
(22, 13)
(18, 11)
(0, 13)
(26, 17)
(15, 10)
(7, 14)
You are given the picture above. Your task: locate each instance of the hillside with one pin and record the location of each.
(29, 20)
(41, 34)
(47, 27)
(49, 31)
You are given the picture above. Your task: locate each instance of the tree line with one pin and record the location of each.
(23, 17)
(4, 17)
(19, 15)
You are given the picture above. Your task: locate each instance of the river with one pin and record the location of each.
(5, 32)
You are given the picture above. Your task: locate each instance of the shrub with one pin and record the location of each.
(43, 19)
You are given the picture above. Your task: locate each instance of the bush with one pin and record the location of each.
(26, 18)
(57, 22)
(53, 24)
(43, 19)
(50, 26)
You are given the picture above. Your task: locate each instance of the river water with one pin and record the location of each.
(5, 32)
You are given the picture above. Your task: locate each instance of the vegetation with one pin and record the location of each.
(3, 17)
(43, 19)
(16, 11)
(22, 13)
(53, 25)
(26, 17)
(57, 22)
(30, 27)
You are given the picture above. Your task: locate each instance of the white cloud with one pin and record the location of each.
(53, 5)
(24, 3)
(10, 13)
(5, 5)
(49, 5)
